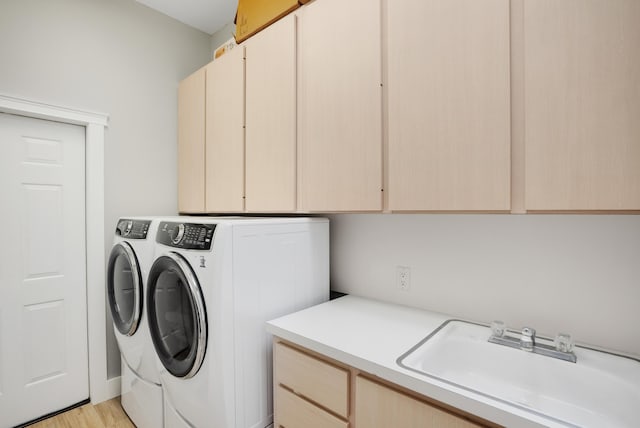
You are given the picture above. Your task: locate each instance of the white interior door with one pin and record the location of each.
(43, 307)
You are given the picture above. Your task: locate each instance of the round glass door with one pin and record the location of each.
(124, 288)
(177, 316)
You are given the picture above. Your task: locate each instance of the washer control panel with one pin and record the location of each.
(189, 236)
(133, 229)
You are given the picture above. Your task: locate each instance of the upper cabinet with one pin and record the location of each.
(191, 162)
(340, 106)
(271, 118)
(246, 159)
(448, 92)
(582, 104)
(439, 105)
(225, 133)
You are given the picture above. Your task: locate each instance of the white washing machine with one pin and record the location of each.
(129, 263)
(212, 287)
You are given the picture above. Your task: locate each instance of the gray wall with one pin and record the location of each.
(115, 57)
(578, 274)
(221, 36)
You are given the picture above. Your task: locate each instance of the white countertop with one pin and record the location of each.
(370, 336)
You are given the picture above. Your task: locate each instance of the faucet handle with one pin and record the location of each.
(528, 339)
(498, 328)
(528, 332)
(564, 342)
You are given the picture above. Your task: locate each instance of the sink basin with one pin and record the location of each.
(599, 390)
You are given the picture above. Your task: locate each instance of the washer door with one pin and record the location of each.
(124, 288)
(177, 316)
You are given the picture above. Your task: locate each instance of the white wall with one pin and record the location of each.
(115, 57)
(573, 273)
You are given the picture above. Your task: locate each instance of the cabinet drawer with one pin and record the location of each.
(293, 411)
(320, 382)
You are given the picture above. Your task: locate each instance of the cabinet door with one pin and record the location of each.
(448, 105)
(225, 133)
(191, 117)
(378, 406)
(582, 104)
(339, 103)
(271, 118)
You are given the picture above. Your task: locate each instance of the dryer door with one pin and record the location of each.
(124, 288)
(176, 314)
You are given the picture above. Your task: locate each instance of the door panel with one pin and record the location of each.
(379, 406)
(43, 312)
(271, 118)
(582, 104)
(340, 106)
(43, 243)
(224, 147)
(449, 105)
(43, 331)
(191, 154)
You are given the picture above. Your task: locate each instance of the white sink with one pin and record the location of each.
(599, 390)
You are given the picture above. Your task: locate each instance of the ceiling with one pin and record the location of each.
(205, 15)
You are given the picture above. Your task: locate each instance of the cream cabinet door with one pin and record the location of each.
(448, 97)
(339, 106)
(224, 184)
(191, 159)
(271, 118)
(582, 104)
(378, 406)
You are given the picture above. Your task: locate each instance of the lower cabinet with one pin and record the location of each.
(293, 410)
(313, 391)
(309, 392)
(379, 406)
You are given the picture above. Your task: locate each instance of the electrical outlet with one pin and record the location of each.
(403, 277)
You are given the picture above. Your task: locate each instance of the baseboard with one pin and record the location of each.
(111, 390)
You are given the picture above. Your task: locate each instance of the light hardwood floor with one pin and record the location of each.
(108, 414)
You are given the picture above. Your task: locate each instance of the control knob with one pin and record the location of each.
(177, 234)
(128, 227)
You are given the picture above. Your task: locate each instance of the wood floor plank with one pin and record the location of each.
(112, 415)
(108, 414)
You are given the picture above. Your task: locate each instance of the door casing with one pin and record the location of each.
(100, 387)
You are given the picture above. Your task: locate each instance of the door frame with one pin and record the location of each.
(100, 388)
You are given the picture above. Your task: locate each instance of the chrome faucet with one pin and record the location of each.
(562, 349)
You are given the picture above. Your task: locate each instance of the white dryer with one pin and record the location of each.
(129, 263)
(212, 287)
